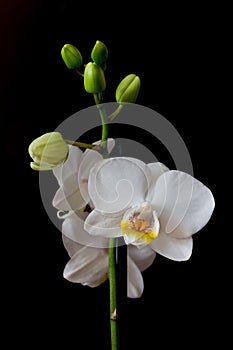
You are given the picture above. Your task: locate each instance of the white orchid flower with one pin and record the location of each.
(89, 258)
(72, 177)
(88, 262)
(147, 204)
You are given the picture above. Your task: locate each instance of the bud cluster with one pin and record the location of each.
(94, 77)
(50, 150)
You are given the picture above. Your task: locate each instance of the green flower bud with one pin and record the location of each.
(48, 151)
(99, 53)
(71, 56)
(94, 79)
(128, 89)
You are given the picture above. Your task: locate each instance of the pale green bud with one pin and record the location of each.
(48, 151)
(94, 79)
(99, 53)
(128, 89)
(71, 56)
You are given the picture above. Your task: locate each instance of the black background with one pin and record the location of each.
(173, 50)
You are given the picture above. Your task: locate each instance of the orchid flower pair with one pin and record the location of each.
(155, 210)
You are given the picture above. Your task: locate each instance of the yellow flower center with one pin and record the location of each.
(140, 225)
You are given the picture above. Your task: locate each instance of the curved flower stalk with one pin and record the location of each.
(72, 177)
(89, 262)
(147, 204)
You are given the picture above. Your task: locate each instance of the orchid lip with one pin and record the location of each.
(140, 224)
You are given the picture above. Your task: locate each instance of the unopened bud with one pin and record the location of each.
(71, 56)
(128, 89)
(48, 151)
(94, 79)
(99, 53)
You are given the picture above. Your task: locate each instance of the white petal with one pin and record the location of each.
(73, 161)
(88, 266)
(68, 196)
(156, 169)
(135, 283)
(89, 159)
(177, 249)
(70, 166)
(143, 258)
(184, 205)
(98, 224)
(110, 144)
(117, 183)
(65, 214)
(73, 228)
(71, 246)
(95, 283)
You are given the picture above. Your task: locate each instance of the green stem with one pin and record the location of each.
(112, 116)
(98, 97)
(112, 242)
(113, 294)
(104, 120)
(79, 73)
(83, 145)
